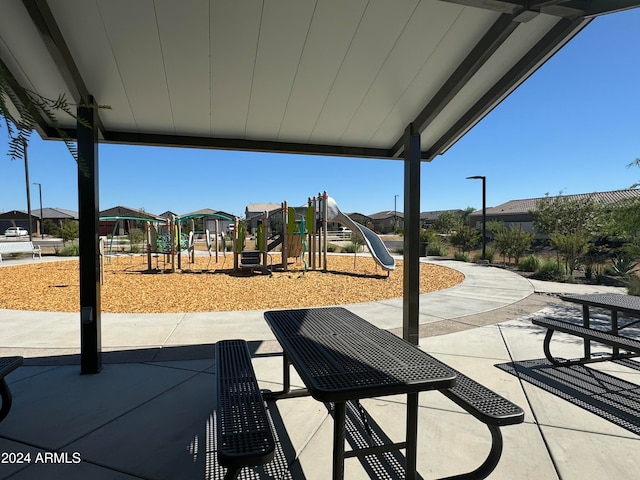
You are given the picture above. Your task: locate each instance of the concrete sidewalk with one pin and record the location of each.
(150, 413)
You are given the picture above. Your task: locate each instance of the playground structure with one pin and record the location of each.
(218, 237)
(166, 240)
(300, 233)
(303, 233)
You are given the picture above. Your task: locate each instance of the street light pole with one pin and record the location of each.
(484, 212)
(395, 213)
(41, 219)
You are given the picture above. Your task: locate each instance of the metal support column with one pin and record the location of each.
(88, 208)
(411, 280)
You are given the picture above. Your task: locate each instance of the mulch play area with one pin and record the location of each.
(209, 286)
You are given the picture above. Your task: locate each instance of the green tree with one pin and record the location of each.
(567, 215)
(465, 238)
(448, 222)
(571, 224)
(68, 230)
(509, 241)
(465, 214)
(49, 227)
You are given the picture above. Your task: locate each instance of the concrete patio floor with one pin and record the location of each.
(150, 413)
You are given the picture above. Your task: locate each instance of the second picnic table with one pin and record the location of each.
(615, 303)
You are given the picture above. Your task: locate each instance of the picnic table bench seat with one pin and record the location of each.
(552, 325)
(7, 365)
(491, 409)
(20, 247)
(244, 436)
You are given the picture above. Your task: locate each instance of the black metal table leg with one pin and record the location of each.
(585, 324)
(614, 329)
(338, 440)
(412, 436)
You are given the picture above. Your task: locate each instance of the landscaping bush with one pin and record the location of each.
(68, 231)
(465, 238)
(332, 247)
(437, 249)
(530, 263)
(623, 265)
(549, 270)
(71, 249)
(489, 254)
(136, 237)
(633, 284)
(352, 248)
(461, 256)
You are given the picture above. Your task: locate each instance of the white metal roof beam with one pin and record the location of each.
(524, 10)
(43, 128)
(486, 47)
(562, 32)
(44, 21)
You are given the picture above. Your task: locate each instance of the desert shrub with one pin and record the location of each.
(437, 248)
(465, 238)
(633, 285)
(69, 230)
(549, 270)
(71, 249)
(623, 264)
(461, 256)
(530, 263)
(332, 247)
(352, 247)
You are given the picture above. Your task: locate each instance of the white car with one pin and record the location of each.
(344, 232)
(16, 232)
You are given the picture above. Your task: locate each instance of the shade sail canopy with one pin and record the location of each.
(327, 77)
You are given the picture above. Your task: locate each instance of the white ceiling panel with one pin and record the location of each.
(427, 26)
(280, 45)
(23, 51)
(135, 42)
(235, 27)
(332, 29)
(469, 25)
(505, 58)
(302, 76)
(382, 24)
(89, 46)
(184, 40)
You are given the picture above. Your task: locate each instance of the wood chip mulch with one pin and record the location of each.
(209, 286)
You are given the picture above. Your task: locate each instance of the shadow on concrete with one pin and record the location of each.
(609, 397)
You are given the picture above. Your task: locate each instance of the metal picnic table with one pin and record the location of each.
(615, 303)
(341, 357)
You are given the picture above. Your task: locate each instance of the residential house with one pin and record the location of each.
(19, 218)
(427, 219)
(254, 213)
(213, 220)
(121, 220)
(520, 212)
(387, 221)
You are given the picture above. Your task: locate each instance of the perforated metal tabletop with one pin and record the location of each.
(341, 357)
(628, 304)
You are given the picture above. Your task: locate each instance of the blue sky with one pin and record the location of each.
(571, 128)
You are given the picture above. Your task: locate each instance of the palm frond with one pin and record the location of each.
(30, 106)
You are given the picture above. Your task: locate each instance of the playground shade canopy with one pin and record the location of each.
(301, 76)
(360, 78)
